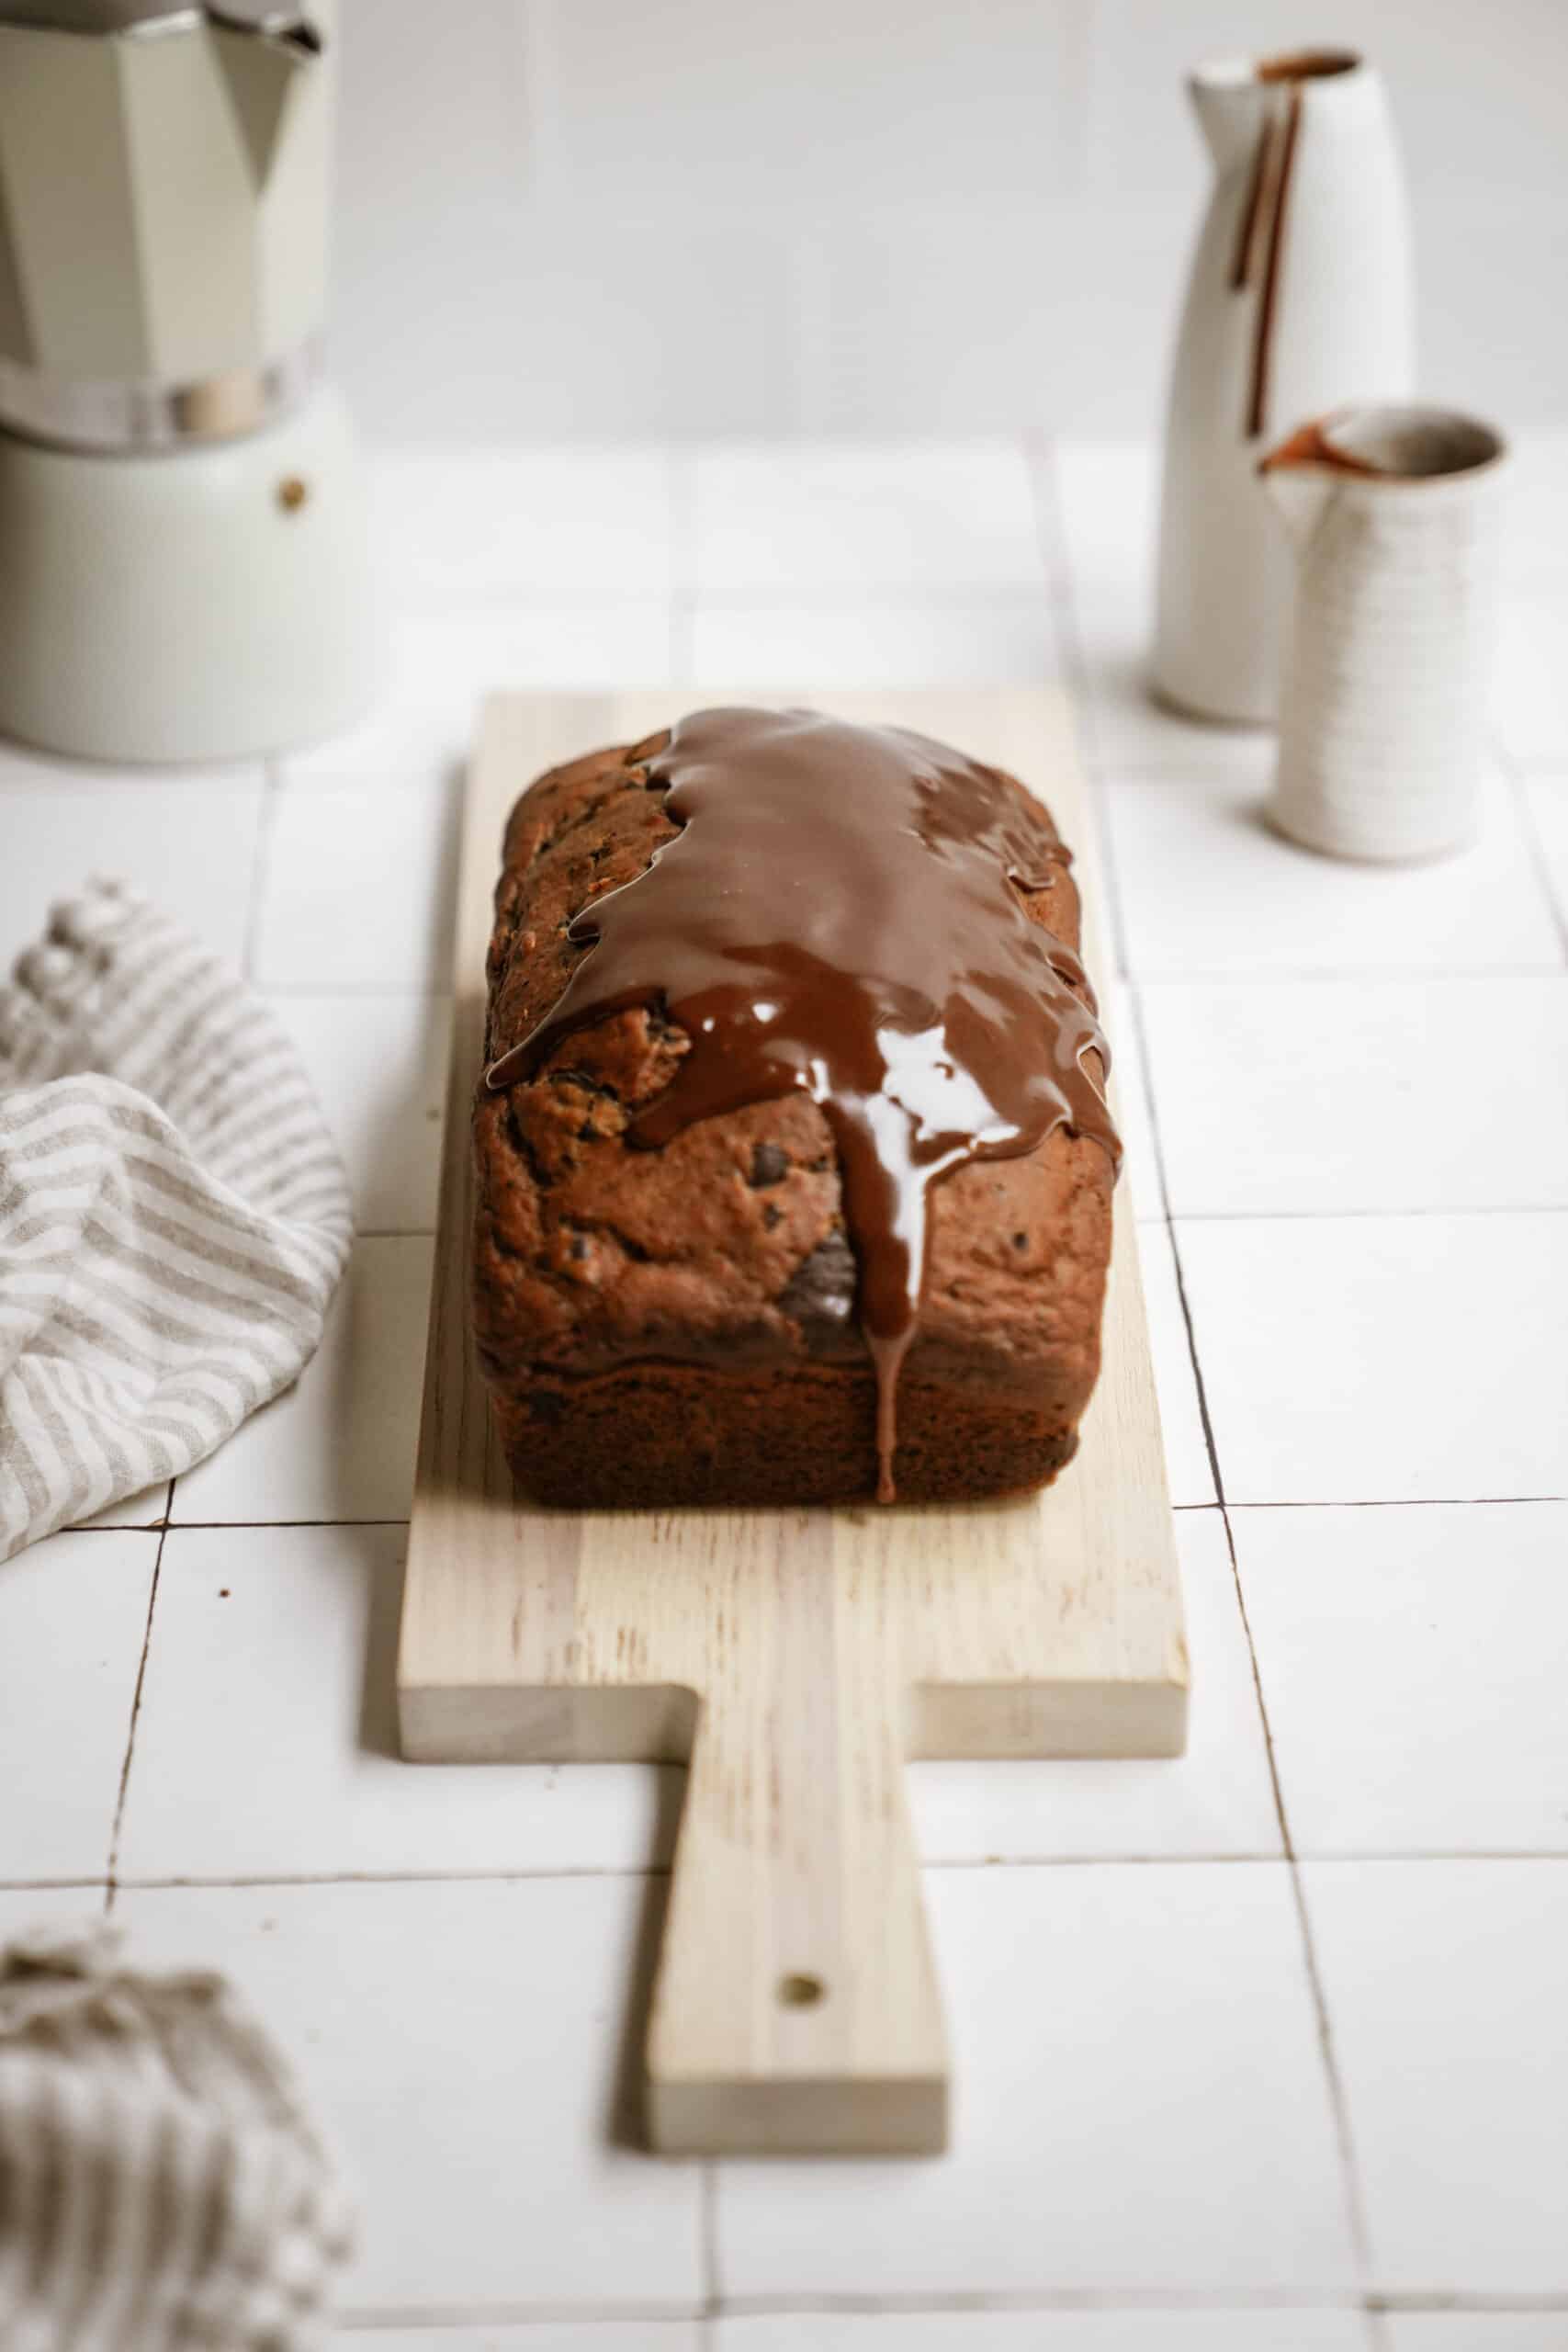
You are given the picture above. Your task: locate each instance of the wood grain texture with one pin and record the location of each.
(796, 1659)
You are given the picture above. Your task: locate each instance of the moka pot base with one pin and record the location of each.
(209, 603)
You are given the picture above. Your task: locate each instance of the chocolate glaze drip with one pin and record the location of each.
(842, 912)
(1260, 245)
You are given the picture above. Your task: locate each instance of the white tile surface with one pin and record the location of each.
(1127, 729)
(1107, 502)
(1125, 2118)
(462, 2041)
(379, 1063)
(1412, 1359)
(1547, 800)
(1000, 641)
(188, 845)
(25, 766)
(24, 1910)
(918, 317)
(1217, 1799)
(1535, 539)
(1444, 1983)
(909, 321)
(1530, 688)
(804, 522)
(1186, 1462)
(594, 315)
(1208, 891)
(605, 332)
(281, 1643)
(1140, 1164)
(441, 666)
(877, 93)
(1053, 2331)
(912, 319)
(72, 1616)
(543, 526)
(1325, 1096)
(357, 888)
(1475, 307)
(340, 1443)
(1432, 1638)
(1478, 2331)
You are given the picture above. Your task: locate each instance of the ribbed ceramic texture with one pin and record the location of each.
(1384, 701)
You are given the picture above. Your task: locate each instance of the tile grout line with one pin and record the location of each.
(1292, 976)
(111, 1880)
(707, 2254)
(1056, 550)
(1374, 2323)
(53, 1886)
(1536, 848)
(1150, 1224)
(184, 1526)
(1350, 2178)
(1345, 1217)
(1390, 1502)
(1334, 1858)
(1039, 460)
(979, 593)
(1156, 2301)
(376, 2319)
(682, 481)
(1059, 558)
(272, 787)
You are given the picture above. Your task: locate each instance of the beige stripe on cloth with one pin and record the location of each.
(173, 1216)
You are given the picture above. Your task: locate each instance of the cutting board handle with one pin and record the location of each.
(795, 2008)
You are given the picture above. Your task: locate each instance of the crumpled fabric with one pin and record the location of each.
(162, 2186)
(173, 1215)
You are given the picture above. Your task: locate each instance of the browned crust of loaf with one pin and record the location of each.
(677, 1325)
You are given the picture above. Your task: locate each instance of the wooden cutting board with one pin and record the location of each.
(794, 1659)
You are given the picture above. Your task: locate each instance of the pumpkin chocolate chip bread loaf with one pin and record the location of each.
(794, 1165)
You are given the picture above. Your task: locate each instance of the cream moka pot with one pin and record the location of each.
(184, 564)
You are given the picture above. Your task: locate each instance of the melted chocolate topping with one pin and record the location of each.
(842, 912)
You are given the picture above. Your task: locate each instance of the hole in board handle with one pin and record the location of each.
(801, 1991)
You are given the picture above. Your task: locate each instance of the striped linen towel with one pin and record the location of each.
(174, 1217)
(161, 2188)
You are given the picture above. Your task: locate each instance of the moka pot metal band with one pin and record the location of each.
(109, 415)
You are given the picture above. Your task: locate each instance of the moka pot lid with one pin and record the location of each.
(153, 17)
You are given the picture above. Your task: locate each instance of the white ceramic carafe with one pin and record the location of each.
(1300, 299)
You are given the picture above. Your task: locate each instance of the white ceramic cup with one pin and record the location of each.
(1394, 511)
